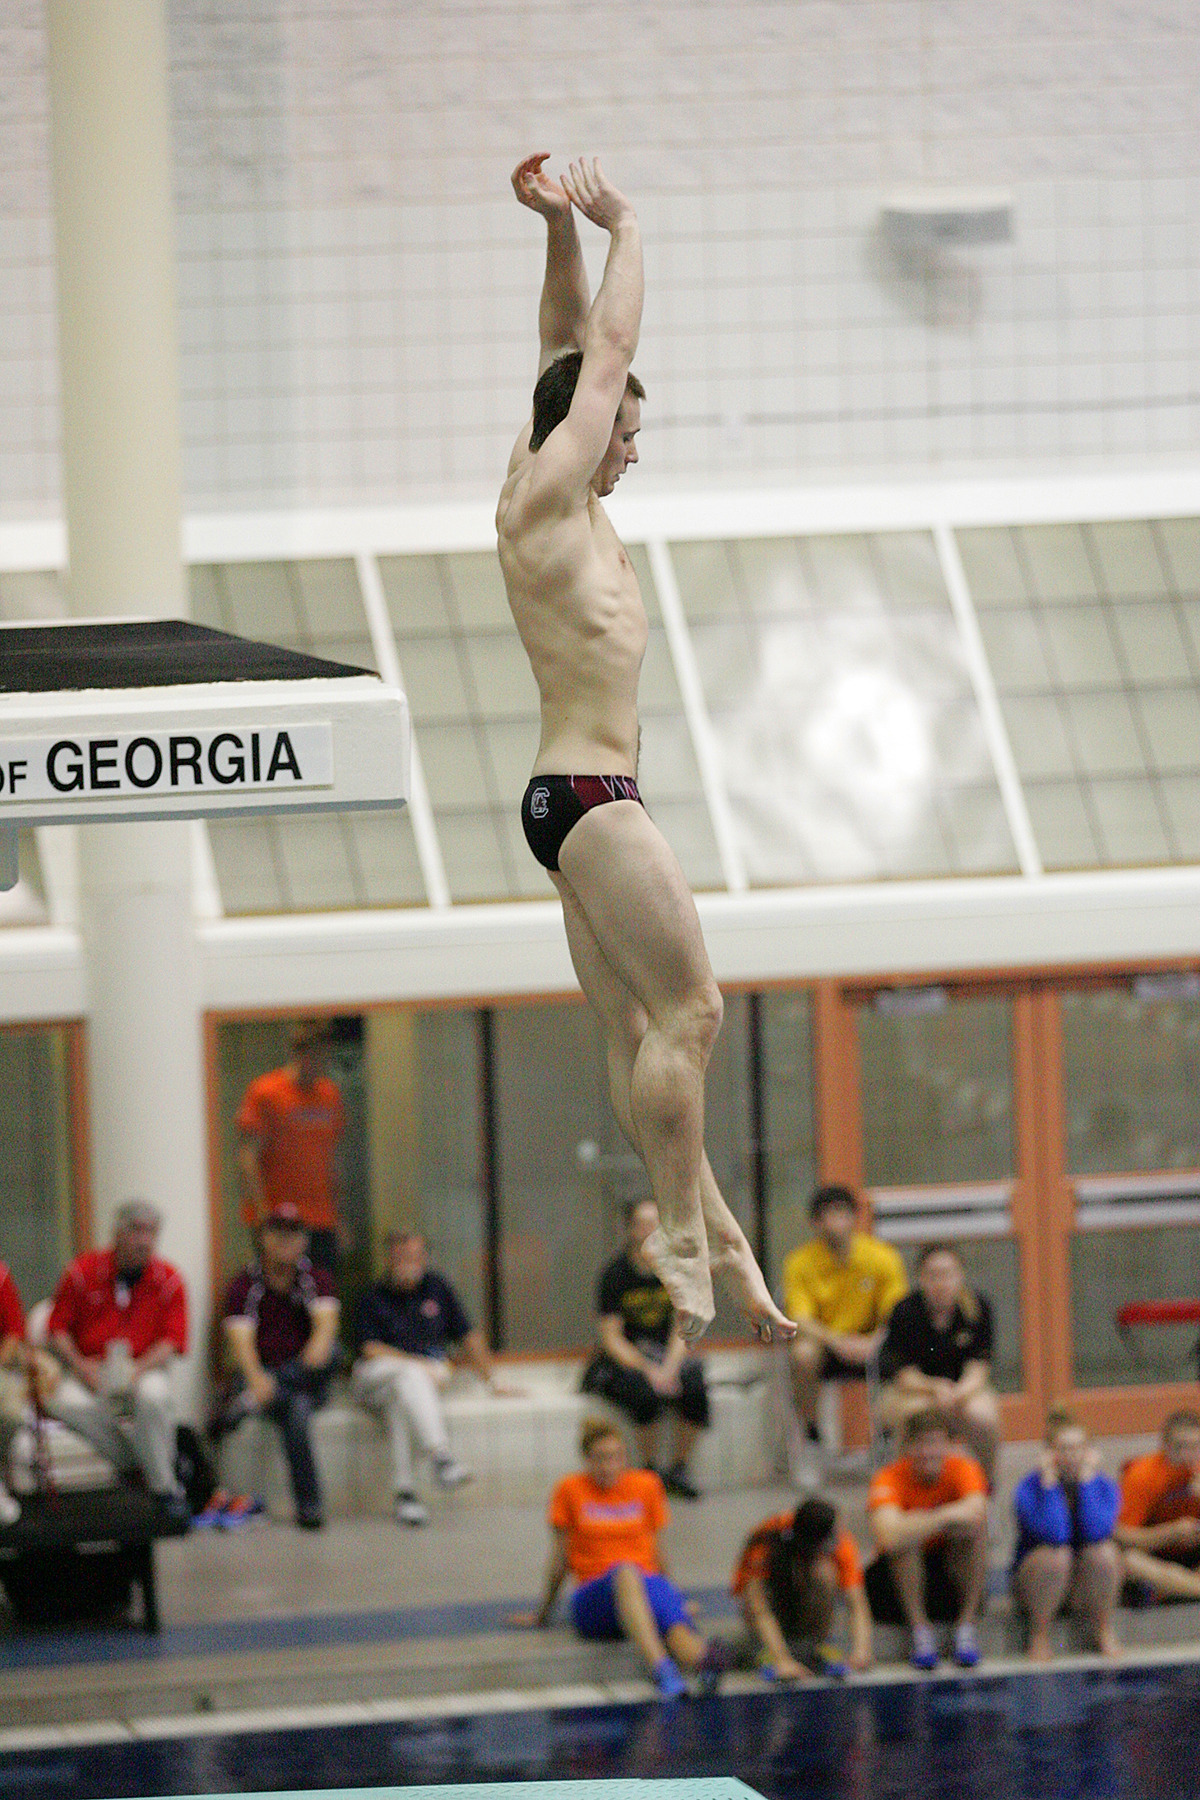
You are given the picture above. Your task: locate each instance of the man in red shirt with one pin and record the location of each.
(291, 1122)
(14, 1381)
(118, 1322)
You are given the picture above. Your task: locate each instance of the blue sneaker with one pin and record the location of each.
(924, 1648)
(668, 1680)
(966, 1646)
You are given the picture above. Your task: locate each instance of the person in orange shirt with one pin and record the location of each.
(605, 1522)
(788, 1578)
(928, 1515)
(290, 1123)
(1158, 1527)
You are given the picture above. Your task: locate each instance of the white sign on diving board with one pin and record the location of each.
(276, 758)
(232, 748)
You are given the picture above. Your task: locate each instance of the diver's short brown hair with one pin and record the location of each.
(555, 391)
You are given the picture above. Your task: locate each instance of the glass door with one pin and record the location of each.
(1130, 1149)
(949, 1152)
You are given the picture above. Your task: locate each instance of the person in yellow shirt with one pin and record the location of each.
(840, 1287)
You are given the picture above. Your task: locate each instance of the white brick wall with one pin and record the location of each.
(358, 287)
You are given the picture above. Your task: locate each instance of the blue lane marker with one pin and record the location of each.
(226, 1637)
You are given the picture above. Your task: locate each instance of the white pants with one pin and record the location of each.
(145, 1440)
(405, 1391)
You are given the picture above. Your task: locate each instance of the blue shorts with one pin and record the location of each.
(594, 1606)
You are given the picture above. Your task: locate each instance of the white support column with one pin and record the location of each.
(383, 641)
(992, 718)
(118, 360)
(695, 709)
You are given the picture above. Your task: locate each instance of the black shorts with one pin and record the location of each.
(554, 804)
(629, 1390)
(942, 1599)
(836, 1368)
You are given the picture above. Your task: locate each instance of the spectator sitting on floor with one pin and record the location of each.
(642, 1367)
(938, 1352)
(928, 1516)
(14, 1383)
(290, 1124)
(840, 1287)
(1066, 1510)
(280, 1322)
(407, 1324)
(1158, 1528)
(605, 1522)
(118, 1322)
(788, 1579)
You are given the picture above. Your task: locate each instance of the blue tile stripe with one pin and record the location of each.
(312, 1631)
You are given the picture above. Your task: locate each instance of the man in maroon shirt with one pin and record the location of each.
(118, 1322)
(280, 1321)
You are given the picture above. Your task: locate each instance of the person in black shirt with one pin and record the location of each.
(642, 1366)
(406, 1326)
(938, 1352)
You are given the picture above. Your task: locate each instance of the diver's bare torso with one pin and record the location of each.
(579, 612)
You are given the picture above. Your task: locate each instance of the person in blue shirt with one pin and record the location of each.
(1066, 1513)
(407, 1325)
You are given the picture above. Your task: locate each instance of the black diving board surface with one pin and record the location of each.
(160, 718)
(142, 653)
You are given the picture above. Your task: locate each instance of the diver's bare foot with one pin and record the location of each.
(681, 1264)
(1109, 1645)
(1039, 1650)
(733, 1263)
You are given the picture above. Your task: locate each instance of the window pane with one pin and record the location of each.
(1132, 1078)
(423, 1113)
(36, 1171)
(1109, 1269)
(787, 1124)
(566, 1173)
(1099, 620)
(841, 706)
(937, 1089)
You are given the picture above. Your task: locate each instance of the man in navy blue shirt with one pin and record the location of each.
(407, 1325)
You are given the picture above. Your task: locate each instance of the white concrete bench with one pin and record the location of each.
(518, 1448)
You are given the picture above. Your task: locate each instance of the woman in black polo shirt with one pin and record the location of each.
(938, 1352)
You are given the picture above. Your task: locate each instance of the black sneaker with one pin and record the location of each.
(717, 1660)
(678, 1482)
(310, 1521)
(174, 1515)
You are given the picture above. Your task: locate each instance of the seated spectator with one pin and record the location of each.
(840, 1287)
(1066, 1509)
(1158, 1528)
(280, 1323)
(290, 1124)
(118, 1322)
(642, 1367)
(14, 1382)
(407, 1324)
(605, 1522)
(791, 1572)
(938, 1352)
(928, 1515)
